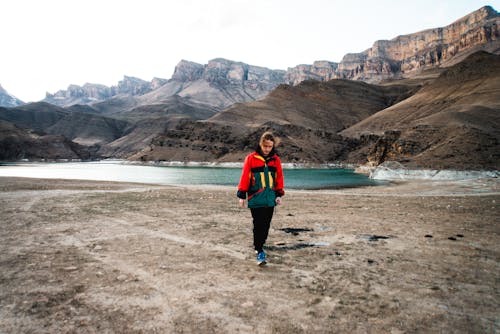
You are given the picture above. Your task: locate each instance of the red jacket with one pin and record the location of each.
(260, 176)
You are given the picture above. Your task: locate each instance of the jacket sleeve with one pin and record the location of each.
(244, 184)
(280, 181)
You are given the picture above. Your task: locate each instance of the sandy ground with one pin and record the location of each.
(98, 257)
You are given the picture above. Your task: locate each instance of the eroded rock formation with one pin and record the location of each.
(407, 55)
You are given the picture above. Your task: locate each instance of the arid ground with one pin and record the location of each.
(99, 257)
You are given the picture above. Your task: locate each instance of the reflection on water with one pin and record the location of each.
(305, 178)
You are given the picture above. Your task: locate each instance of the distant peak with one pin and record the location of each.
(488, 9)
(127, 78)
(483, 13)
(184, 62)
(187, 71)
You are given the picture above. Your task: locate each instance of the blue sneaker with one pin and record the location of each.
(261, 258)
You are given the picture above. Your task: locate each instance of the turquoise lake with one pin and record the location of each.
(295, 178)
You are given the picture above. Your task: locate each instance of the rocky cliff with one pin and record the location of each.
(452, 122)
(91, 93)
(8, 100)
(448, 122)
(319, 70)
(219, 83)
(407, 55)
(444, 118)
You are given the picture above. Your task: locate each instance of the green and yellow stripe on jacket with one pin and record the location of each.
(261, 180)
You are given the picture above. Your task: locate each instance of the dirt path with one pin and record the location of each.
(98, 257)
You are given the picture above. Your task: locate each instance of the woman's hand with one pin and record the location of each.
(242, 203)
(278, 200)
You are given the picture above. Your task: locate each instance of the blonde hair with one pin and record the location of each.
(268, 135)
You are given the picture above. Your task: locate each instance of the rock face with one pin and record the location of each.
(407, 55)
(226, 72)
(187, 71)
(448, 122)
(91, 93)
(444, 118)
(8, 100)
(319, 70)
(452, 122)
(220, 83)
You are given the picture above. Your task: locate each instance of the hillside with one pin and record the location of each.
(453, 122)
(17, 144)
(221, 82)
(332, 105)
(8, 100)
(446, 119)
(406, 56)
(80, 126)
(307, 117)
(435, 104)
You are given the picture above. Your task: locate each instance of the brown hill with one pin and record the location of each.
(84, 127)
(149, 121)
(332, 105)
(172, 106)
(17, 144)
(446, 122)
(37, 116)
(139, 135)
(453, 122)
(306, 117)
(88, 129)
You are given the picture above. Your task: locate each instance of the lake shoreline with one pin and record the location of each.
(296, 178)
(389, 171)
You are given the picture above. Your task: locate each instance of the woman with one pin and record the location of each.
(262, 180)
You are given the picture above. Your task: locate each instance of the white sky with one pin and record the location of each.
(50, 44)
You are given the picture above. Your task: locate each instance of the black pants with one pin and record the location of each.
(261, 222)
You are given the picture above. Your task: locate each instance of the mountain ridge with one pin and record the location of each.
(438, 116)
(8, 100)
(397, 58)
(450, 122)
(385, 60)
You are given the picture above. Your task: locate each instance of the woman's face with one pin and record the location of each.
(266, 146)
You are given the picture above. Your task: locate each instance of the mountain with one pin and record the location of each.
(453, 122)
(217, 84)
(8, 100)
(81, 127)
(407, 55)
(307, 117)
(449, 122)
(149, 121)
(428, 99)
(91, 93)
(37, 116)
(332, 105)
(221, 82)
(17, 144)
